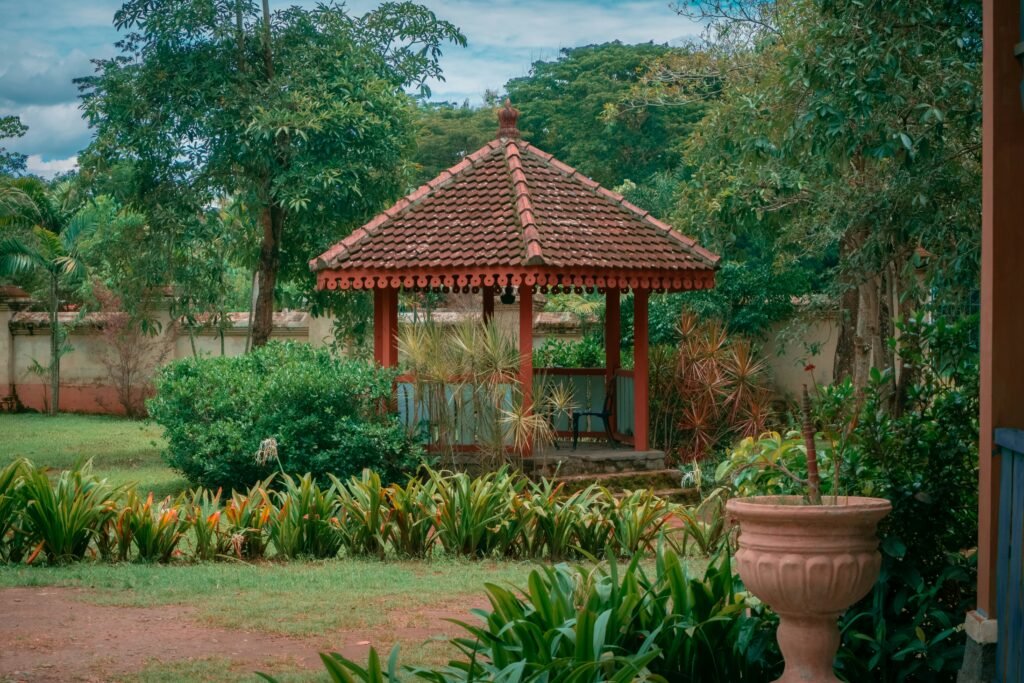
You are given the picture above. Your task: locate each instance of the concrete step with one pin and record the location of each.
(664, 483)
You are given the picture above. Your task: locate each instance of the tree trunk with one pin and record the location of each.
(54, 347)
(848, 305)
(270, 262)
(843, 366)
(273, 227)
(867, 336)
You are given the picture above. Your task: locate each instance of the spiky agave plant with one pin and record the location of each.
(466, 385)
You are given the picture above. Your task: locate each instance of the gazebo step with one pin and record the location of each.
(664, 483)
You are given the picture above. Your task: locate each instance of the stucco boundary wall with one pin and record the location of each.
(86, 386)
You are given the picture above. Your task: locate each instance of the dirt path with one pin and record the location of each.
(53, 634)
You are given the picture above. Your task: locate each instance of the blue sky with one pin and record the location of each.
(46, 43)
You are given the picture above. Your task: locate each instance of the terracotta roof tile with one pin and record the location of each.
(510, 205)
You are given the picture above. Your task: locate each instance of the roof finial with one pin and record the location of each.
(507, 118)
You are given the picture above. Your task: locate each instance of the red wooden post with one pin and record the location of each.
(1002, 278)
(488, 296)
(385, 327)
(612, 342)
(378, 326)
(640, 370)
(526, 351)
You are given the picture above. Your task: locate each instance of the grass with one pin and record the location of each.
(294, 598)
(122, 450)
(219, 670)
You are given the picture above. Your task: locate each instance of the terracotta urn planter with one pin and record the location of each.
(809, 563)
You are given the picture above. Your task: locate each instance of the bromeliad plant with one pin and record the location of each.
(248, 517)
(61, 520)
(410, 522)
(363, 513)
(304, 519)
(500, 514)
(203, 514)
(12, 539)
(155, 530)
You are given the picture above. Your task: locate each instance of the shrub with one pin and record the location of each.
(325, 415)
(587, 352)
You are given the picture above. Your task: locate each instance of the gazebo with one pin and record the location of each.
(512, 220)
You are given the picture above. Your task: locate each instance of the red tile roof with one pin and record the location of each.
(510, 213)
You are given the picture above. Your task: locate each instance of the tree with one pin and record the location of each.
(445, 133)
(847, 134)
(300, 114)
(42, 236)
(11, 163)
(570, 108)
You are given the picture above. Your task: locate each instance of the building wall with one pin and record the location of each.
(789, 359)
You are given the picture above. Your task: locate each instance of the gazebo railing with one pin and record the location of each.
(1010, 556)
(588, 391)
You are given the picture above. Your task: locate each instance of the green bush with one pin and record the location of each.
(324, 414)
(587, 352)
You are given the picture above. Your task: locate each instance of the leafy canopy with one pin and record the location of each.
(305, 117)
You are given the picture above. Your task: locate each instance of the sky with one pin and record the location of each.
(46, 43)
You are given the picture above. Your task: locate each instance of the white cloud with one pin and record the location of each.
(40, 75)
(48, 169)
(54, 130)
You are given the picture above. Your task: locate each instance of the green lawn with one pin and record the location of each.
(121, 450)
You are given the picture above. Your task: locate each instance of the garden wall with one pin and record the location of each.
(87, 385)
(802, 355)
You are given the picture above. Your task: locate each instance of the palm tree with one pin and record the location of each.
(40, 228)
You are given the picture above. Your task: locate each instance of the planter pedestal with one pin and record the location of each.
(809, 563)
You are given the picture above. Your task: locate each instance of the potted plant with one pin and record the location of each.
(808, 557)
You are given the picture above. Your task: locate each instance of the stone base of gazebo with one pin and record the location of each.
(593, 458)
(590, 458)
